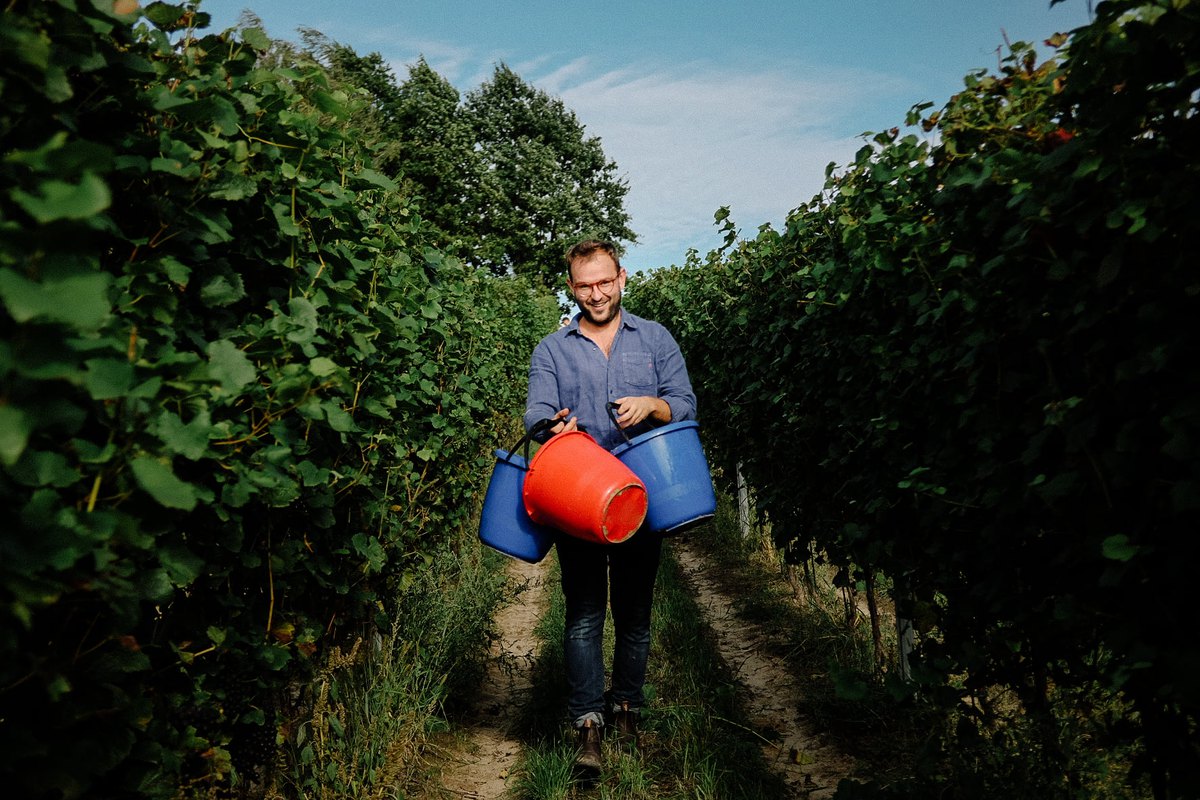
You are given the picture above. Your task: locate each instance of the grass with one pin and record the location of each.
(376, 708)
(913, 747)
(380, 712)
(832, 658)
(695, 742)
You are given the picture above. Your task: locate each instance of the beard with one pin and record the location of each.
(608, 312)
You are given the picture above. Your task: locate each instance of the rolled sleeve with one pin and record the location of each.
(675, 388)
(543, 400)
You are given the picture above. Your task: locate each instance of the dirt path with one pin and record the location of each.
(484, 768)
(811, 767)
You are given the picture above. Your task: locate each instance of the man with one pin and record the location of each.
(606, 355)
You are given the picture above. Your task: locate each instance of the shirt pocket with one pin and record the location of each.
(637, 369)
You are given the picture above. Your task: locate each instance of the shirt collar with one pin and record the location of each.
(627, 321)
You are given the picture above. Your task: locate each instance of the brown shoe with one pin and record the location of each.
(588, 741)
(625, 721)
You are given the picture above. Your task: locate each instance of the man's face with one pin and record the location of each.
(597, 282)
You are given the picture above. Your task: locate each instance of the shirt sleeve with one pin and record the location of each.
(543, 398)
(674, 385)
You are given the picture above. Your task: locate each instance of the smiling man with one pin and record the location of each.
(606, 356)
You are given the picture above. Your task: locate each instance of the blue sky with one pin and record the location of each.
(702, 104)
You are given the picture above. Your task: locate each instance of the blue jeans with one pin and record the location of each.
(588, 571)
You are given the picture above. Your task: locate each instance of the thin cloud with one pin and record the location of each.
(692, 138)
(450, 61)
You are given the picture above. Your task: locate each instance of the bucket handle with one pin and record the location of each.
(611, 406)
(535, 430)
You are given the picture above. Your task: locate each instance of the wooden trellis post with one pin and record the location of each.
(743, 500)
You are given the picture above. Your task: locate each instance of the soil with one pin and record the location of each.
(809, 765)
(482, 770)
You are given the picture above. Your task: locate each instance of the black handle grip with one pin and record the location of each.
(537, 433)
(611, 406)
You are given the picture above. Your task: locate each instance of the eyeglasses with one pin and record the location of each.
(584, 290)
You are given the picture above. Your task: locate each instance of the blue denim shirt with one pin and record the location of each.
(568, 370)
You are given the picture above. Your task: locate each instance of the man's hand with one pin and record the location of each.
(632, 410)
(567, 424)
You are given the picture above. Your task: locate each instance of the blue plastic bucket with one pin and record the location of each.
(670, 461)
(504, 524)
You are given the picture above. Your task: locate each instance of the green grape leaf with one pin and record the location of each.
(107, 378)
(79, 300)
(15, 427)
(189, 440)
(161, 483)
(1119, 548)
(229, 366)
(61, 200)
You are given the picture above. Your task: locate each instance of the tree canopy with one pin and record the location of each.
(549, 183)
(508, 174)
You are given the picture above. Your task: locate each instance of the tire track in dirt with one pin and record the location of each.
(772, 697)
(482, 770)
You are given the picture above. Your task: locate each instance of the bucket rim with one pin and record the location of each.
(670, 427)
(557, 438)
(511, 458)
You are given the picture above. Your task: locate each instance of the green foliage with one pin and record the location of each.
(971, 357)
(373, 708)
(244, 399)
(549, 183)
(422, 137)
(435, 155)
(507, 175)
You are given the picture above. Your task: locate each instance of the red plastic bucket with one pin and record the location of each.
(578, 487)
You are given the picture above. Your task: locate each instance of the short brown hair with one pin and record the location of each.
(587, 247)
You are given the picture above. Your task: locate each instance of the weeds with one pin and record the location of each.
(694, 741)
(547, 772)
(830, 652)
(696, 744)
(992, 747)
(374, 708)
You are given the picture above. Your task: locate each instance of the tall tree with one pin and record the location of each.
(509, 176)
(546, 183)
(437, 157)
